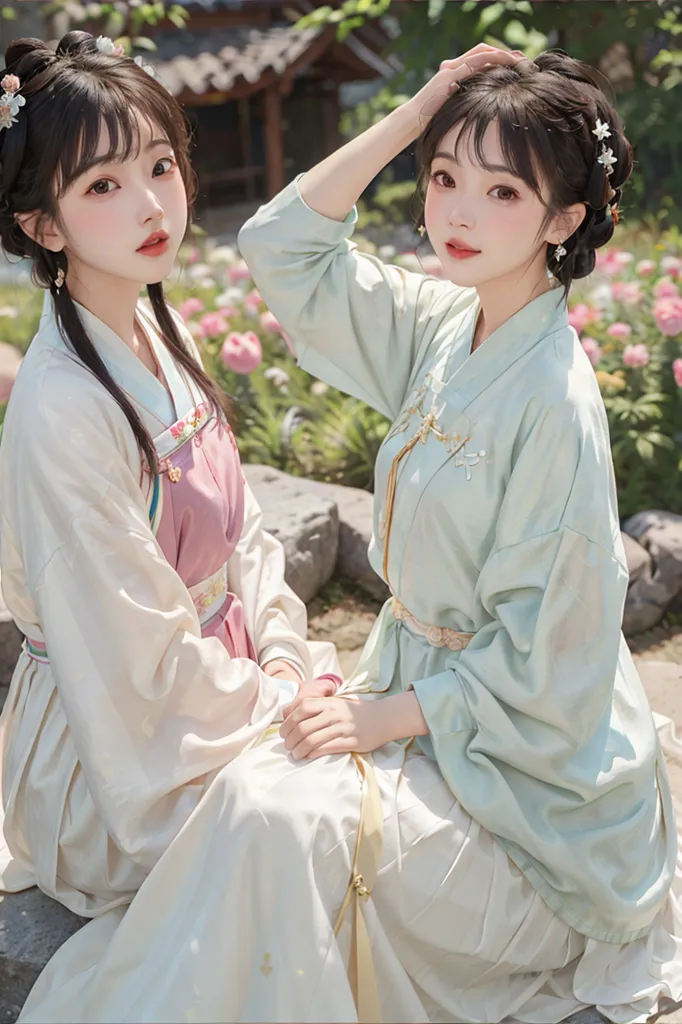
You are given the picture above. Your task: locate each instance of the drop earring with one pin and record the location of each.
(421, 230)
(559, 252)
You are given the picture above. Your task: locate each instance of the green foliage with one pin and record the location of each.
(124, 23)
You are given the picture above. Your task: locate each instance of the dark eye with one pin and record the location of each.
(442, 178)
(96, 190)
(164, 170)
(506, 193)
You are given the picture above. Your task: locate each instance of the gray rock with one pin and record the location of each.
(355, 521)
(32, 928)
(641, 612)
(306, 524)
(660, 534)
(355, 532)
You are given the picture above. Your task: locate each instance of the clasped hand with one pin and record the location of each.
(316, 726)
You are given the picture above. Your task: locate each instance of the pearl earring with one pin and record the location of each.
(421, 230)
(559, 252)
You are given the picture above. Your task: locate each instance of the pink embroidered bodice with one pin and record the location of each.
(201, 519)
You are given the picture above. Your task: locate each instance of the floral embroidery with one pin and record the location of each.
(189, 425)
(216, 588)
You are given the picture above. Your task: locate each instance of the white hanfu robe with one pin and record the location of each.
(518, 861)
(147, 612)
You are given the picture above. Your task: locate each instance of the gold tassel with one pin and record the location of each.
(390, 496)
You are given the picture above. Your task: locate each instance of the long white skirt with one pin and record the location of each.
(236, 921)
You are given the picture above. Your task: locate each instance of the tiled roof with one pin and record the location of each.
(214, 60)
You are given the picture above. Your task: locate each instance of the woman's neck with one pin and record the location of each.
(111, 300)
(499, 300)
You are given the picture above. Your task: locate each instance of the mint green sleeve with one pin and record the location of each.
(520, 706)
(354, 321)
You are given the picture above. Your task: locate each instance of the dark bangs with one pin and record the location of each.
(90, 103)
(530, 121)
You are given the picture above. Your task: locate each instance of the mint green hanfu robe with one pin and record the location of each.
(504, 525)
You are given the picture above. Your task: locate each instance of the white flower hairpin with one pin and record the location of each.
(10, 101)
(606, 158)
(106, 45)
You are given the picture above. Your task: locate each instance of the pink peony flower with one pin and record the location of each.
(612, 261)
(193, 256)
(636, 355)
(10, 83)
(213, 325)
(628, 292)
(253, 301)
(190, 307)
(619, 330)
(228, 311)
(671, 265)
(241, 353)
(665, 289)
(593, 350)
(668, 313)
(269, 322)
(645, 267)
(238, 272)
(581, 315)
(677, 372)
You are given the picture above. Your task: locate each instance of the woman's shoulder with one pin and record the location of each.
(55, 396)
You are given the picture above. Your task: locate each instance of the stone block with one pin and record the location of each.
(658, 583)
(305, 523)
(32, 928)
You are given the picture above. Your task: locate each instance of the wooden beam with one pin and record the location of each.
(274, 141)
(244, 113)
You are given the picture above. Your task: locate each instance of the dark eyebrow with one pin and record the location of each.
(107, 159)
(493, 168)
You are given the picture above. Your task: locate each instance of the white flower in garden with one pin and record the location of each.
(205, 282)
(222, 254)
(602, 130)
(230, 297)
(197, 271)
(9, 311)
(319, 388)
(387, 252)
(671, 265)
(278, 376)
(602, 297)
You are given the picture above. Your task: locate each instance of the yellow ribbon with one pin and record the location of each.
(361, 973)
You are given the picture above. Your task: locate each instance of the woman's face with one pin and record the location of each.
(484, 225)
(108, 213)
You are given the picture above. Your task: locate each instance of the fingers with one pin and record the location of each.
(481, 54)
(298, 712)
(332, 734)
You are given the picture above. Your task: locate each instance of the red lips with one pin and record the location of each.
(456, 243)
(157, 236)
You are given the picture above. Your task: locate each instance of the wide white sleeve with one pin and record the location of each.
(276, 617)
(152, 707)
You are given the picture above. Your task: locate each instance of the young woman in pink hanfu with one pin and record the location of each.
(160, 636)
